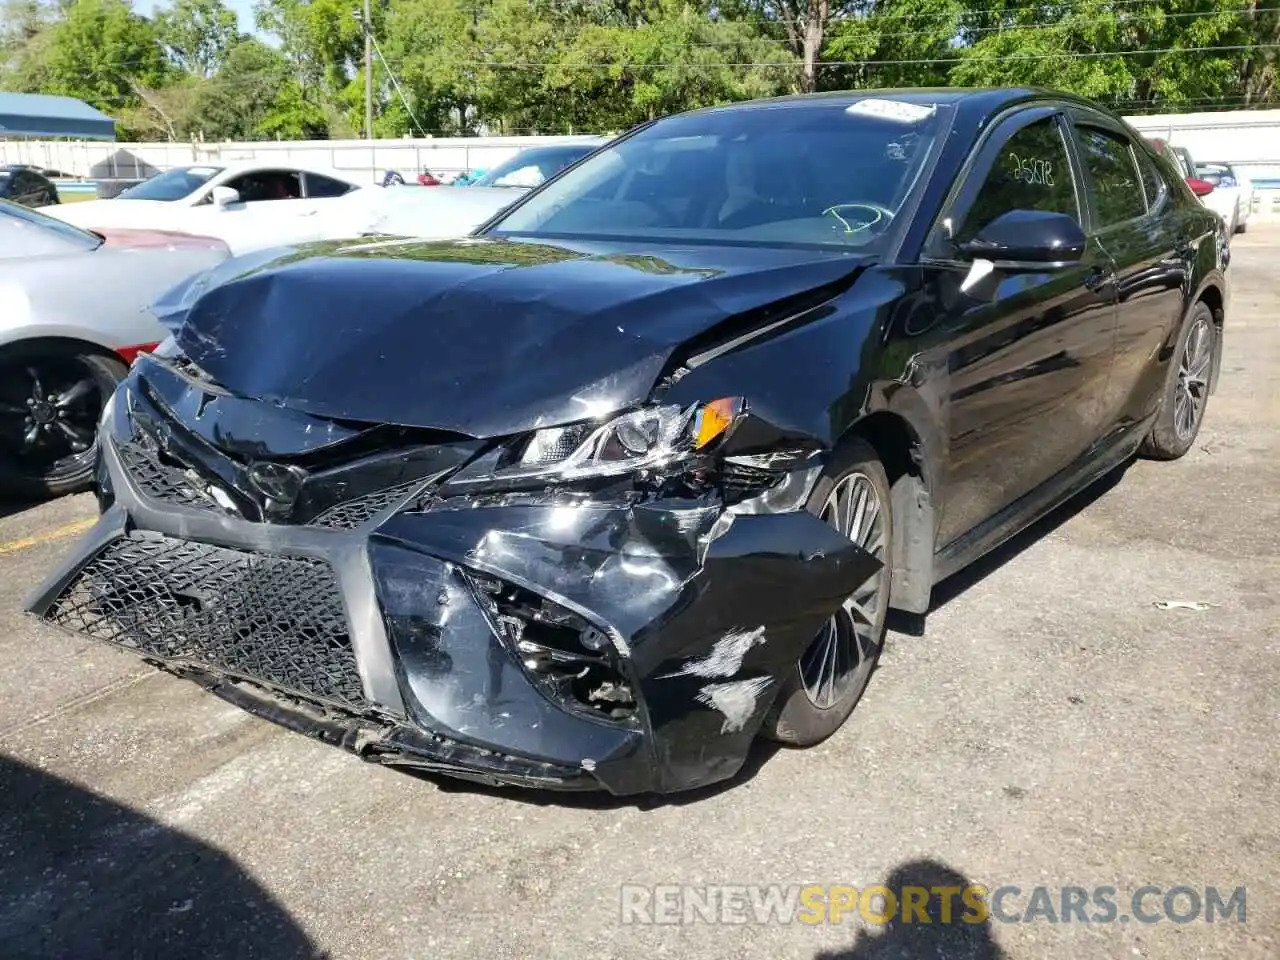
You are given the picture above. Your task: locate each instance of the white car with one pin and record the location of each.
(429, 213)
(246, 205)
(1233, 190)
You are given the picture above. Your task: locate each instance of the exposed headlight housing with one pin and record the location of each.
(651, 438)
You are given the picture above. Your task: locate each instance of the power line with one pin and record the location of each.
(1066, 9)
(1004, 28)
(963, 55)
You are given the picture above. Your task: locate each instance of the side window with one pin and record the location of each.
(1031, 172)
(267, 185)
(318, 186)
(1153, 184)
(1117, 189)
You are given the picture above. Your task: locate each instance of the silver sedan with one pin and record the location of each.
(73, 315)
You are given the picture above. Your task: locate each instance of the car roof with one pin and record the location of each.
(975, 102)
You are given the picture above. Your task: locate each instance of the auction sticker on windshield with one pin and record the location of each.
(895, 110)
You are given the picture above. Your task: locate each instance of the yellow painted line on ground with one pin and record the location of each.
(57, 533)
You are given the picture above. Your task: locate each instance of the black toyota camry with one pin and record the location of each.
(596, 496)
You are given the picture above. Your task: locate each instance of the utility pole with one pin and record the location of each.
(368, 71)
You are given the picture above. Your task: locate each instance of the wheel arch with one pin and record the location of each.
(1212, 294)
(904, 444)
(68, 340)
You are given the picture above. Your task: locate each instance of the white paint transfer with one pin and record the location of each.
(736, 700)
(726, 656)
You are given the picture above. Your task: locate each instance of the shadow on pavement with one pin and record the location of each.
(82, 876)
(10, 507)
(934, 940)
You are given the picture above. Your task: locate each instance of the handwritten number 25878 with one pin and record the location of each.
(1036, 173)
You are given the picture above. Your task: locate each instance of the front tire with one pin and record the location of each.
(829, 678)
(51, 396)
(1186, 391)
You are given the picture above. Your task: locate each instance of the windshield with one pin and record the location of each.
(815, 172)
(27, 233)
(171, 184)
(528, 168)
(1219, 174)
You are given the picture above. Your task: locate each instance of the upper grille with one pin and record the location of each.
(159, 480)
(279, 621)
(352, 513)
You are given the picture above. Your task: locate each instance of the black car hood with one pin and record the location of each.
(478, 336)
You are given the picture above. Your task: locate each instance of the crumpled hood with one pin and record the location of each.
(480, 336)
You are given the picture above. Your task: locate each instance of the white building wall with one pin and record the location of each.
(1248, 138)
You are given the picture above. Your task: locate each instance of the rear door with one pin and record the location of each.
(1027, 368)
(1132, 215)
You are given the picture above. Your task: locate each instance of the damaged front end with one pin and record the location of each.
(611, 603)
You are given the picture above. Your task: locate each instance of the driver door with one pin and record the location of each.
(1028, 360)
(270, 200)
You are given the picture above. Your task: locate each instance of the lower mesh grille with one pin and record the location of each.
(279, 621)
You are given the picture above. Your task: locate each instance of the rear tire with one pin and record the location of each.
(829, 678)
(1186, 390)
(51, 396)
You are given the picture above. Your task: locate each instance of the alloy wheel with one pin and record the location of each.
(1192, 389)
(49, 410)
(842, 653)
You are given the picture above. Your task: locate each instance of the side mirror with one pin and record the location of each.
(224, 196)
(1028, 239)
(1201, 188)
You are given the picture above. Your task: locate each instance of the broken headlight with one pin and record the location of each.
(658, 437)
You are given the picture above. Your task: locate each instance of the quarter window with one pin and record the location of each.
(318, 186)
(1031, 172)
(1152, 184)
(1116, 185)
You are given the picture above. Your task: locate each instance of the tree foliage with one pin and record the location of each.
(558, 66)
(197, 34)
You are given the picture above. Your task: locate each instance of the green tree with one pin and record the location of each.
(254, 96)
(198, 34)
(103, 53)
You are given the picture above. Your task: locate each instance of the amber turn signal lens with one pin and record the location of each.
(715, 418)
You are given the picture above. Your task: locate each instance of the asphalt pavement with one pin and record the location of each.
(1052, 727)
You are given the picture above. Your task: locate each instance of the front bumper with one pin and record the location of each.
(371, 634)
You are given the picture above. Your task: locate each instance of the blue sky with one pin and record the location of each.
(243, 9)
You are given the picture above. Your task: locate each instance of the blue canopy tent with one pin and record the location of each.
(40, 115)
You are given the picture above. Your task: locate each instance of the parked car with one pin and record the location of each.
(1224, 202)
(531, 167)
(27, 186)
(248, 205)
(74, 318)
(404, 211)
(632, 475)
(1230, 182)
